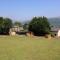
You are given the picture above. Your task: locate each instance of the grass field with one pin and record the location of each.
(26, 48)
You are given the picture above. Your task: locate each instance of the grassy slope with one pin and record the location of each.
(24, 48)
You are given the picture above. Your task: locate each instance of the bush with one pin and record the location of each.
(39, 26)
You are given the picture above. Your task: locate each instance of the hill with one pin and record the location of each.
(54, 21)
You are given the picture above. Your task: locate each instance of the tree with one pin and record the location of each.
(16, 23)
(25, 25)
(1, 24)
(39, 26)
(5, 25)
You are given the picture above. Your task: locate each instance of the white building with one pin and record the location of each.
(58, 34)
(56, 31)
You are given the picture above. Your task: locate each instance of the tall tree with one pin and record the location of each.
(39, 26)
(5, 25)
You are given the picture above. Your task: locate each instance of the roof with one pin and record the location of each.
(55, 29)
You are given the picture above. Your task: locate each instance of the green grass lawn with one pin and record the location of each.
(26, 48)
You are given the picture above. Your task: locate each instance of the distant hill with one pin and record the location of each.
(54, 21)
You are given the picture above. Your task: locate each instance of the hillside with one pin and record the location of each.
(54, 22)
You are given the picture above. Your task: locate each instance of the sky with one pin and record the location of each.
(26, 9)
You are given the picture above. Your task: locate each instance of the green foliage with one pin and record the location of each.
(5, 25)
(16, 23)
(25, 26)
(39, 26)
